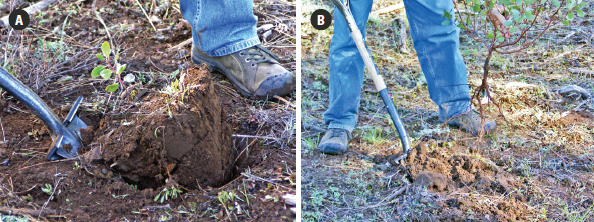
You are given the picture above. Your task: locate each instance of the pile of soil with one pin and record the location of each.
(445, 174)
(182, 133)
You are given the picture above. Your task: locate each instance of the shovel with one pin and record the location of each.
(372, 69)
(64, 134)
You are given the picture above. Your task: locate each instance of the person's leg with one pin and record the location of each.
(221, 27)
(346, 79)
(224, 37)
(437, 48)
(346, 69)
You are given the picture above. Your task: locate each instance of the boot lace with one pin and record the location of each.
(256, 55)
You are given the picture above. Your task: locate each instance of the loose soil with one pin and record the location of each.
(537, 166)
(203, 138)
(190, 138)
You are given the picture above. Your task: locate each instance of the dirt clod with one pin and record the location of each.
(462, 173)
(185, 133)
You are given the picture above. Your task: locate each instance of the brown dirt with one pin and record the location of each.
(465, 174)
(136, 166)
(187, 136)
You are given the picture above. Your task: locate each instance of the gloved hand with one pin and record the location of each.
(497, 19)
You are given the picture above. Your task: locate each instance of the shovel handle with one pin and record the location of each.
(372, 69)
(358, 39)
(60, 134)
(31, 100)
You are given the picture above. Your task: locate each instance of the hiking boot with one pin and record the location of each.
(335, 141)
(471, 122)
(254, 72)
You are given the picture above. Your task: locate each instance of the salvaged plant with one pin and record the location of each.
(106, 72)
(508, 26)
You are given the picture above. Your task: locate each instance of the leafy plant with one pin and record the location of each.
(508, 26)
(168, 193)
(106, 72)
(225, 198)
(48, 189)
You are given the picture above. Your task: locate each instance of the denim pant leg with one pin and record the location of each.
(221, 27)
(346, 69)
(438, 50)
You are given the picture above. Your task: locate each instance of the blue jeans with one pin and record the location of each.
(437, 48)
(221, 27)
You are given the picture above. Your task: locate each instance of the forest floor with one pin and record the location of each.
(537, 166)
(136, 170)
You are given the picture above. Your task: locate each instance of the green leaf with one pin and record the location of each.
(583, 4)
(529, 15)
(115, 60)
(580, 13)
(447, 14)
(476, 8)
(468, 22)
(120, 69)
(506, 2)
(445, 22)
(512, 30)
(461, 26)
(565, 22)
(507, 23)
(570, 16)
(106, 73)
(112, 87)
(96, 71)
(556, 3)
(516, 14)
(105, 49)
(476, 2)
(466, 52)
(500, 39)
(99, 56)
(490, 35)
(157, 197)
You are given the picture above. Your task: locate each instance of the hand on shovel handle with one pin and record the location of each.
(498, 19)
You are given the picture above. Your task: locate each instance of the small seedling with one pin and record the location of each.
(49, 190)
(105, 72)
(225, 198)
(168, 193)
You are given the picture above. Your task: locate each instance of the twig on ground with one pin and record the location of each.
(153, 208)
(342, 167)
(25, 212)
(147, 17)
(51, 196)
(74, 57)
(56, 161)
(258, 137)
(102, 22)
(284, 100)
(250, 176)
(1, 126)
(388, 9)
(181, 45)
(588, 73)
(244, 149)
